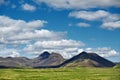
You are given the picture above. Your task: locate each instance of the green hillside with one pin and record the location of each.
(61, 74)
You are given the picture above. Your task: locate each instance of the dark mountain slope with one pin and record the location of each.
(88, 60)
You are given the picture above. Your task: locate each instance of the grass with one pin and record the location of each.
(61, 74)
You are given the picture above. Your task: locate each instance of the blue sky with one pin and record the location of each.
(29, 27)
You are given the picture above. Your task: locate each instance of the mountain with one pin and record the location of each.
(47, 59)
(55, 60)
(87, 60)
(14, 62)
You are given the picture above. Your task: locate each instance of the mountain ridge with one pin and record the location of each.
(91, 58)
(55, 60)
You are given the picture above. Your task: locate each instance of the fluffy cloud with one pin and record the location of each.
(109, 21)
(83, 25)
(28, 7)
(111, 25)
(9, 53)
(29, 38)
(14, 54)
(67, 48)
(79, 4)
(38, 34)
(103, 51)
(87, 15)
(11, 25)
(58, 44)
(18, 31)
(68, 51)
(97, 15)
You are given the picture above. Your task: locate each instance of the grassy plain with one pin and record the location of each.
(61, 74)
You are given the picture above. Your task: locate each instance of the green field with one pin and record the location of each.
(61, 74)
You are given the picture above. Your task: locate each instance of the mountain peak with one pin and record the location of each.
(45, 55)
(83, 53)
(88, 59)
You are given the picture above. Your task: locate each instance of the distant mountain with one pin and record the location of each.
(55, 60)
(47, 59)
(14, 62)
(87, 60)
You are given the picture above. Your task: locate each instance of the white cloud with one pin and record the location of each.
(11, 25)
(94, 15)
(68, 51)
(8, 25)
(109, 21)
(83, 24)
(67, 48)
(28, 37)
(80, 4)
(21, 32)
(28, 7)
(111, 25)
(38, 34)
(103, 51)
(58, 44)
(55, 44)
(14, 54)
(9, 53)
(16, 31)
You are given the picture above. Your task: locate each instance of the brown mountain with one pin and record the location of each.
(87, 60)
(47, 59)
(14, 62)
(43, 60)
(55, 60)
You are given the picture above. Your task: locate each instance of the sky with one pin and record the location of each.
(68, 27)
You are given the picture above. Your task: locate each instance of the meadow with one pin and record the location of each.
(61, 74)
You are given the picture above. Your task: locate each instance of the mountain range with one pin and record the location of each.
(55, 60)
